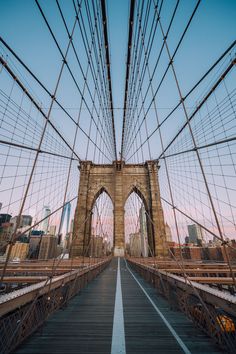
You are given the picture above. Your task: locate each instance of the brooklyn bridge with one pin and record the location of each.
(117, 176)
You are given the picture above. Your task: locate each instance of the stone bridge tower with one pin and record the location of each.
(118, 180)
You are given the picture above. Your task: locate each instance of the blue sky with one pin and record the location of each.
(212, 30)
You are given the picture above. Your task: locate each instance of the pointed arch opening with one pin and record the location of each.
(102, 224)
(136, 224)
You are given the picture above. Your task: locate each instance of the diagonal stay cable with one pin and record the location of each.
(105, 32)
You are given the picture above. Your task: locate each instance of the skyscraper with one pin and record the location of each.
(135, 244)
(143, 231)
(45, 222)
(168, 233)
(195, 233)
(65, 212)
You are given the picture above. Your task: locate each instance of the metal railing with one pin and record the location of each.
(24, 310)
(212, 310)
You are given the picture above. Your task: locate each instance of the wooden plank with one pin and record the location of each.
(145, 331)
(84, 326)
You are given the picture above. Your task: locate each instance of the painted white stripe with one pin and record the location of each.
(118, 332)
(168, 325)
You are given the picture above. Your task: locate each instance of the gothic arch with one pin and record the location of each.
(98, 193)
(139, 192)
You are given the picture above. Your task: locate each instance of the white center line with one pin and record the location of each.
(118, 332)
(168, 325)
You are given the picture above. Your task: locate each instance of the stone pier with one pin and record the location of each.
(118, 180)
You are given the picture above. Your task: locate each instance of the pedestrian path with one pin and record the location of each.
(118, 313)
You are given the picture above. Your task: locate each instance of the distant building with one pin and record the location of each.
(216, 241)
(37, 232)
(212, 253)
(100, 246)
(97, 246)
(195, 233)
(143, 231)
(168, 233)
(186, 239)
(4, 218)
(233, 243)
(106, 248)
(135, 244)
(48, 247)
(19, 250)
(127, 248)
(52, 230)
(64, 233)
(25, 220)
(6, 230)
(22, 236)
(34, 243)
(0, 206)
(46, 217)
(34, 246)
(69, 238)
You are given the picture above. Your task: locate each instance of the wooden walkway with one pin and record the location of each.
(85, 326)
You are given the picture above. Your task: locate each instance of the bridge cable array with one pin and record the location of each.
(44, 138)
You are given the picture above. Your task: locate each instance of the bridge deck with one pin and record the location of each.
(86, 324)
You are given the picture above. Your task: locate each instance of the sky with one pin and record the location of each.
(212, 30)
